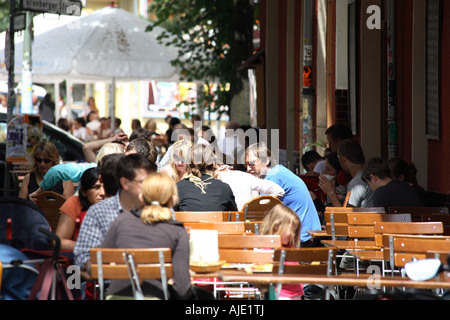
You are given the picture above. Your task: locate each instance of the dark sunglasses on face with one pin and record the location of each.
(39, 160)
(178, 159)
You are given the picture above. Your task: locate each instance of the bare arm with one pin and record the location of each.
(90, 148)
(69, 189)
(23, 193)
(65, 231)
(329, 189)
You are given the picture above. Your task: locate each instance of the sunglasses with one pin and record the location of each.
(39, 160)
(178, 159)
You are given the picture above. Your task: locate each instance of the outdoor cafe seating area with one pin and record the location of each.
(359, 251)
(234, 261)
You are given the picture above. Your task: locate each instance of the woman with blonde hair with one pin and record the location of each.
(45, 155)
(177, 167)
(153, 226)
(198, 190)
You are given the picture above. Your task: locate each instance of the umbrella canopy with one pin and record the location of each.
(107, 44)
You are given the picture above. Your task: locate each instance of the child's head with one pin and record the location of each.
(282, 220)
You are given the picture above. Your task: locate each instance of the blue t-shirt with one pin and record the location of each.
(297, 198)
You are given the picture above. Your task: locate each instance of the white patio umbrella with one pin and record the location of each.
(107, 44)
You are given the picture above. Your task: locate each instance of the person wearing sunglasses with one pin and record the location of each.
(177, 167)
(45, 155)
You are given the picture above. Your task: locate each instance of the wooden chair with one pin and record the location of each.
(444, 218)
(50, 202)
(199, 216)
(237, 227)
(355, 209)
(360, 227)
(402, 248)
(240, 248)
(358, 224)
(405, 228)
(133, 264)
(233, 215)
(417, 212)
(305, 261)
(253, 227)
(257, 208)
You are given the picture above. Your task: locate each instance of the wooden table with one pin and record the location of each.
(364, 281)
(351, 244)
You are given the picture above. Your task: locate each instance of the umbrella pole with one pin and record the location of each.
(112, 104)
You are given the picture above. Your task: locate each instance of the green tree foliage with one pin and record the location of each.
(202, 31)
(4, 15)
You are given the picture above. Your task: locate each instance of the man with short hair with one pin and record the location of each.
(388, 192)
(258, 161)
(131, 172)
(351, 157)
(336, 134)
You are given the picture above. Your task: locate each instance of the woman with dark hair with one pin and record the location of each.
(45, 155)
(331, 172)
(74, 209)
(198, 190)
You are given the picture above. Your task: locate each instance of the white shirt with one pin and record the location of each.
(242, 184)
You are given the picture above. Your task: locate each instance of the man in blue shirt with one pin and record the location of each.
(258, 162)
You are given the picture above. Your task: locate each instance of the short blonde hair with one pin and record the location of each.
(159, 194)
(109, 148)
(278, 219)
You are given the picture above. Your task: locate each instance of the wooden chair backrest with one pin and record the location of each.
(199, 216)
(407, 247)
(406, 228)
(253, 227)
(233, 215)
(354, 209)
(444, 218)
(50, 202)
(253, 249)
(257, 208)
(146, 260)
(359, 225)
(417, 212)
(236, 227)
(305, 261)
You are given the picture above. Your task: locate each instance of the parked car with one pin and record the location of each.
(69, 147)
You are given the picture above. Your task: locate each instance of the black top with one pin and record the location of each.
(33, 185)
(396, 194)
(218, 196)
